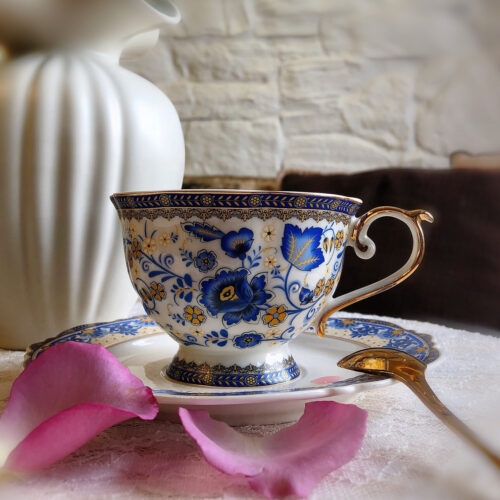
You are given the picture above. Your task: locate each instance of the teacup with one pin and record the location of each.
(234, 276)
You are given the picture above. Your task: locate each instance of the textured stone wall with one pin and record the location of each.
(330, 85)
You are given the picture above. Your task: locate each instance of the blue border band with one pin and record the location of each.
(235, 200)
(233, 376)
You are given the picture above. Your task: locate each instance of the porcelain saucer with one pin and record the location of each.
(142, 346)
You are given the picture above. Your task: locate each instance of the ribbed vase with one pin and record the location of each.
(74, 128)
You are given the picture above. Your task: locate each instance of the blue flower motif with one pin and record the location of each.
(406, 343)
(230, 293)
(301, 247)
(217, 338)
(359, 329)
(205, 260)
(247, 340)
(306, 296)
(237, 244)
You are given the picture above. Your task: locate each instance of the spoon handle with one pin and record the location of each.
(421, 388)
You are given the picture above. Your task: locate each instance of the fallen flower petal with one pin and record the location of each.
(290, 462)
(62, 399)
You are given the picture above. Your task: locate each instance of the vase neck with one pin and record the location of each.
(107, 26)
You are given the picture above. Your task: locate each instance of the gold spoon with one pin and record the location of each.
(411, 371)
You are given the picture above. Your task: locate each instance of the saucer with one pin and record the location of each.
(142, 346)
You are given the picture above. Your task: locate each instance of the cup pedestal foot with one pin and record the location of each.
(273, 367)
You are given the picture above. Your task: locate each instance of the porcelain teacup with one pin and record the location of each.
(234, 276)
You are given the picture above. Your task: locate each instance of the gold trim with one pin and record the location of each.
(219, 375)
(163, 373)
(224, 214)
(237, 191)
(416, 217)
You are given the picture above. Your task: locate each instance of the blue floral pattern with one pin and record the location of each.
(231, 294)
(370, 333)
(248, 275)
(306, 296)
(205, 260)
(388, 335)
(247, 340)
(204, 232)
(237, 244)
(302, 247)
(216, 338)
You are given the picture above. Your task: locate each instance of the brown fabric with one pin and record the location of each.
(458, 282)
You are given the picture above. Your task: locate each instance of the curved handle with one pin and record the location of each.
(365, 249)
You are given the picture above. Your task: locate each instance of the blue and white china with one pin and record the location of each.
(234, 276)
(142, 346)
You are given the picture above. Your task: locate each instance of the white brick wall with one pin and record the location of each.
(330, 85)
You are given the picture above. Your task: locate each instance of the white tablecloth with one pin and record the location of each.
(407, 453)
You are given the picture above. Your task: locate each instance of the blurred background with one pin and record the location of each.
(331, 86)
(396, 102)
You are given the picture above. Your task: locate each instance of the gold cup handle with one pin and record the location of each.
(365, 249)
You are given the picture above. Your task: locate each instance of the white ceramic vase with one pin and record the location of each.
(74, 128)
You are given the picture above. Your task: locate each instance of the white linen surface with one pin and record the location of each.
(407, 453)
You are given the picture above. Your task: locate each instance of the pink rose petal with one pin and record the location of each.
(290, 462)
(62, 399)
